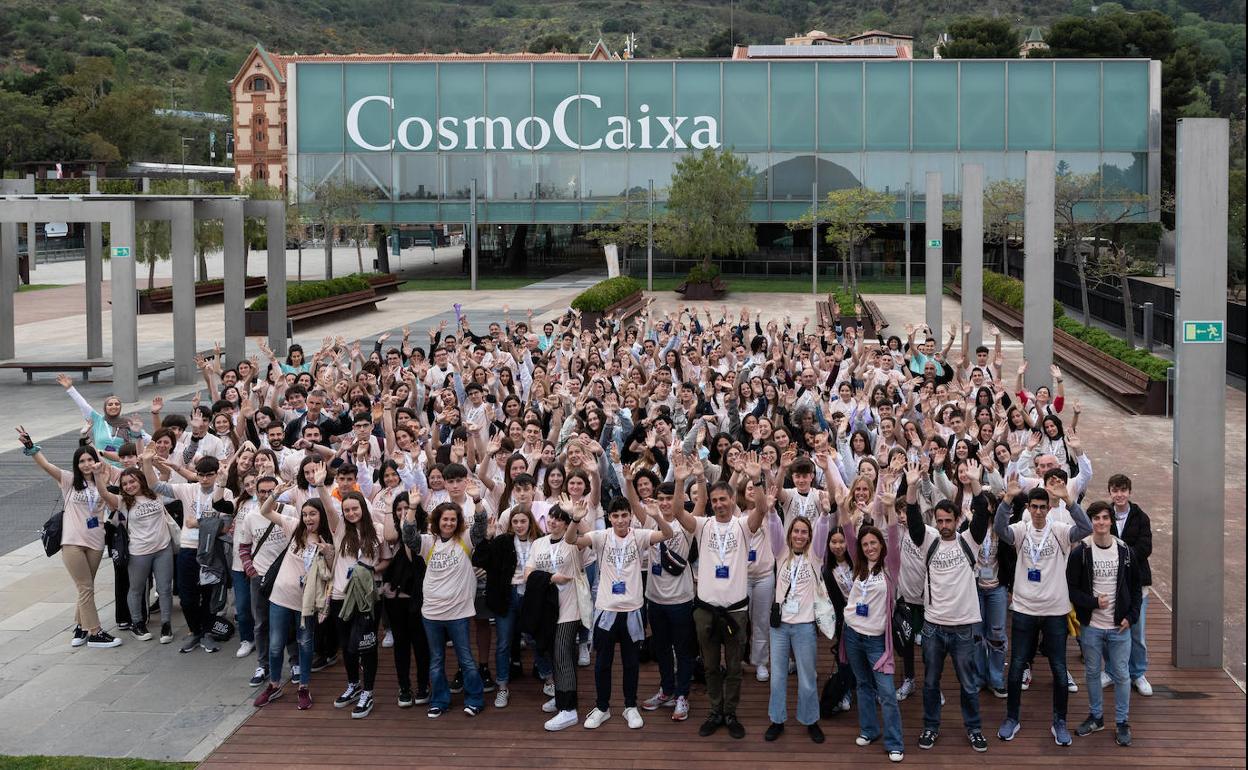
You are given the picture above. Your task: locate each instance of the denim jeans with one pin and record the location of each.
(437, 632)
(1026, 633)
(260, 611)
(959, 643)
(799, 638)
(1109, 649)
(504, 628)
(671, 626)
(990, 637)
(281, 619)
(1139, 649)
(242, 607)
(604, 659)
(874, 688)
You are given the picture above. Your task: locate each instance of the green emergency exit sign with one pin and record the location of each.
(120, 251)
(1204, 331)
(933, 243)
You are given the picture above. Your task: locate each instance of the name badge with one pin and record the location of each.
(617, 587)
(753, 555)
(862, 609)
(1033, 575)
(93, 522)
(985, 573)
(656, 569)
(791, 607)
(721, 572)
(349, 571)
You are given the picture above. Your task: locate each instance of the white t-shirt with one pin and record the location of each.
(662, 587)
(619, 568)
(145, 523)
(797, 605)
(559, 558)
(1104, 583)
(1047, 594)
(954, 599)
(723, 560)
(872, 593)
(196, 505)
(288, 587)
(450, 583)
(81, 507)
(253, 527)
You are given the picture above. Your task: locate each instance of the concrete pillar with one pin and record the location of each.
(973, 253)
(235, 283)
(275, 230)
(1200, 403)
(1039, 209)
(93, 285)
(472, 267)
(125, 310)
(32, 230)
(933, 205)
(8, 288)
(650, 236)
(183, 243)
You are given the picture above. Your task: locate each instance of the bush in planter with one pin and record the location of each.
(703, 273)
(604, 294)
(311, 290)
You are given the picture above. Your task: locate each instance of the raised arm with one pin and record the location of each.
(36, 453)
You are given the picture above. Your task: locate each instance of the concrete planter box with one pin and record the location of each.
(160, 299)
(256, 322)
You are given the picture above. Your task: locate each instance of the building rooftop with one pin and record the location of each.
(819, 52)
(881, 33)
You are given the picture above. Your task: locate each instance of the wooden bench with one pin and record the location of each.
(150, 371)
(256, 322)
(160, 299)
(57, 367)
(385, 283)
(876, 319)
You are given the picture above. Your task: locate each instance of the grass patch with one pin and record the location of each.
(741, 283)
(38, 286)
(450, 283)
(34, 762)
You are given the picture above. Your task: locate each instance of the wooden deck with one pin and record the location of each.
(1195, 719)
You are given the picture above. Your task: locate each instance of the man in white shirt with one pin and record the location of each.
(260, 542)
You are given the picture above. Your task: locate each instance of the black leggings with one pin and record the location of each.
(907, 650)
(409, 639)
(354, 662)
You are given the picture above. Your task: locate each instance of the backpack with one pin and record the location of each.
(931, 553)
(50, 533)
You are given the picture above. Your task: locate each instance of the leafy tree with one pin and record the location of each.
(719, 44)
(708, 210)
(981, 38)
(21, 121)
(555, 41)
(254, 234)
(297, 231)
(153, 243)
(623, 221)
(847, 215)
(1003, 213)
(334, 203)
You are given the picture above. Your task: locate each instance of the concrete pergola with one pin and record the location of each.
(121, 212)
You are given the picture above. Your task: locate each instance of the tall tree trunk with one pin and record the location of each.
(846, 257)
(359, 253)
(1128, 310)
(201, 266)
(151, 274)
(1080, 264)
(299, 263)
(329, 251)
(383, 248)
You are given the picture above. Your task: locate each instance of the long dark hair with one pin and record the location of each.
(322, 528)
(862, 569)
(80, 481)
(360, 537)
(144, 490)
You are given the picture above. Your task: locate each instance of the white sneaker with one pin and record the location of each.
(388, 640)
(906, 689)
(596, 718)
(1027, 678)
(582, 658)
(681, 711)
(792, 666)
(844, 705)
(633, 717)
(501, 698)
(244, 649)
(895, 756)
(1070, 683)
(549, 707)
(548, 689)
(1143, 687)
(761, 674)
(562, 721)
(1106, 680)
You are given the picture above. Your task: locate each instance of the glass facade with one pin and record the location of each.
(551, 141)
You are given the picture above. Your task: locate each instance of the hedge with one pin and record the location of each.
(209, 282)
(310, 290)
(1009, 292)
(604, 294)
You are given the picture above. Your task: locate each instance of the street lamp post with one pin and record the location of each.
(185, 139)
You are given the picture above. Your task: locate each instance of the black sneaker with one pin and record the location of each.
(319, 663)
(927, 739)
(815, 732)
(350, 694)
(435, 712)
(1000, 692)
(487, 682)
(406, 699)
(102, 638)
(735, 728)
(978, 742)
(123, 626)
(1090, 725)
(363, 706)
(207, 643)
(260, 677)
(457, 684)
(140, 632)
(472, 711)
(1122, 734)
(422, 696)
(192, 642)
(166, 633)
(713, 722)
(773, 731)
(79, 638)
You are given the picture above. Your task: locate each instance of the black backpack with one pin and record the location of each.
(50, 533)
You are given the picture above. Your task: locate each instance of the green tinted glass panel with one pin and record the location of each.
(935, 105)
(606, 81)
(415, 92)
(697, 93)
(510, 213)
(1123, 172)
(418, 176)
(547, 211)
(320, 107)
(745, 103)
(604, 175)
(552, 84)
(507, 102)
(982, 106)
(887, 171)
(840, 106)
(1125, 105)
(364, 81)
(792, 100)
(792, 175)
(1078, 105)
(888, 106)
(839, 171)
(1031, 105)
(650, 96)
(461, 95)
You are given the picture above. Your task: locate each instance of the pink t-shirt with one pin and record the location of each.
(82, 505)
(288, 588)
(619, 568)
(723, 560)
(345, 562)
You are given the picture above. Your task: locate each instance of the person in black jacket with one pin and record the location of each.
(838, 576)
(503, 555)
(1104, 586)
(402, 594)
(1131, 525)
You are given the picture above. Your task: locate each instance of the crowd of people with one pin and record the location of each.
(711, 493)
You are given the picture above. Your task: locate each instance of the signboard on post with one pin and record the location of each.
(1204, 332)
(613, 260)
(933, 243)
(119, 251)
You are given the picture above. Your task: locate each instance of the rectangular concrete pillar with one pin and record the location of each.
(93, 285)
(1039, 209)
(125, 304)
(8, 288)
(1200, 402)
(235, 283)
(275, 232)
(973, 253)
(182, 234)
(934, 207)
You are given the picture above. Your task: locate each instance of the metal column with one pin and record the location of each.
(93, 286)
(933, 208)
(182, 241)
(1038, 212)
(908, 202)
(472, 266)
(650, 236)
(125, 310)
(814, 237)
(973, 253)
(8, 288)
(275, 232)
(1200, 400)
(235, 283)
